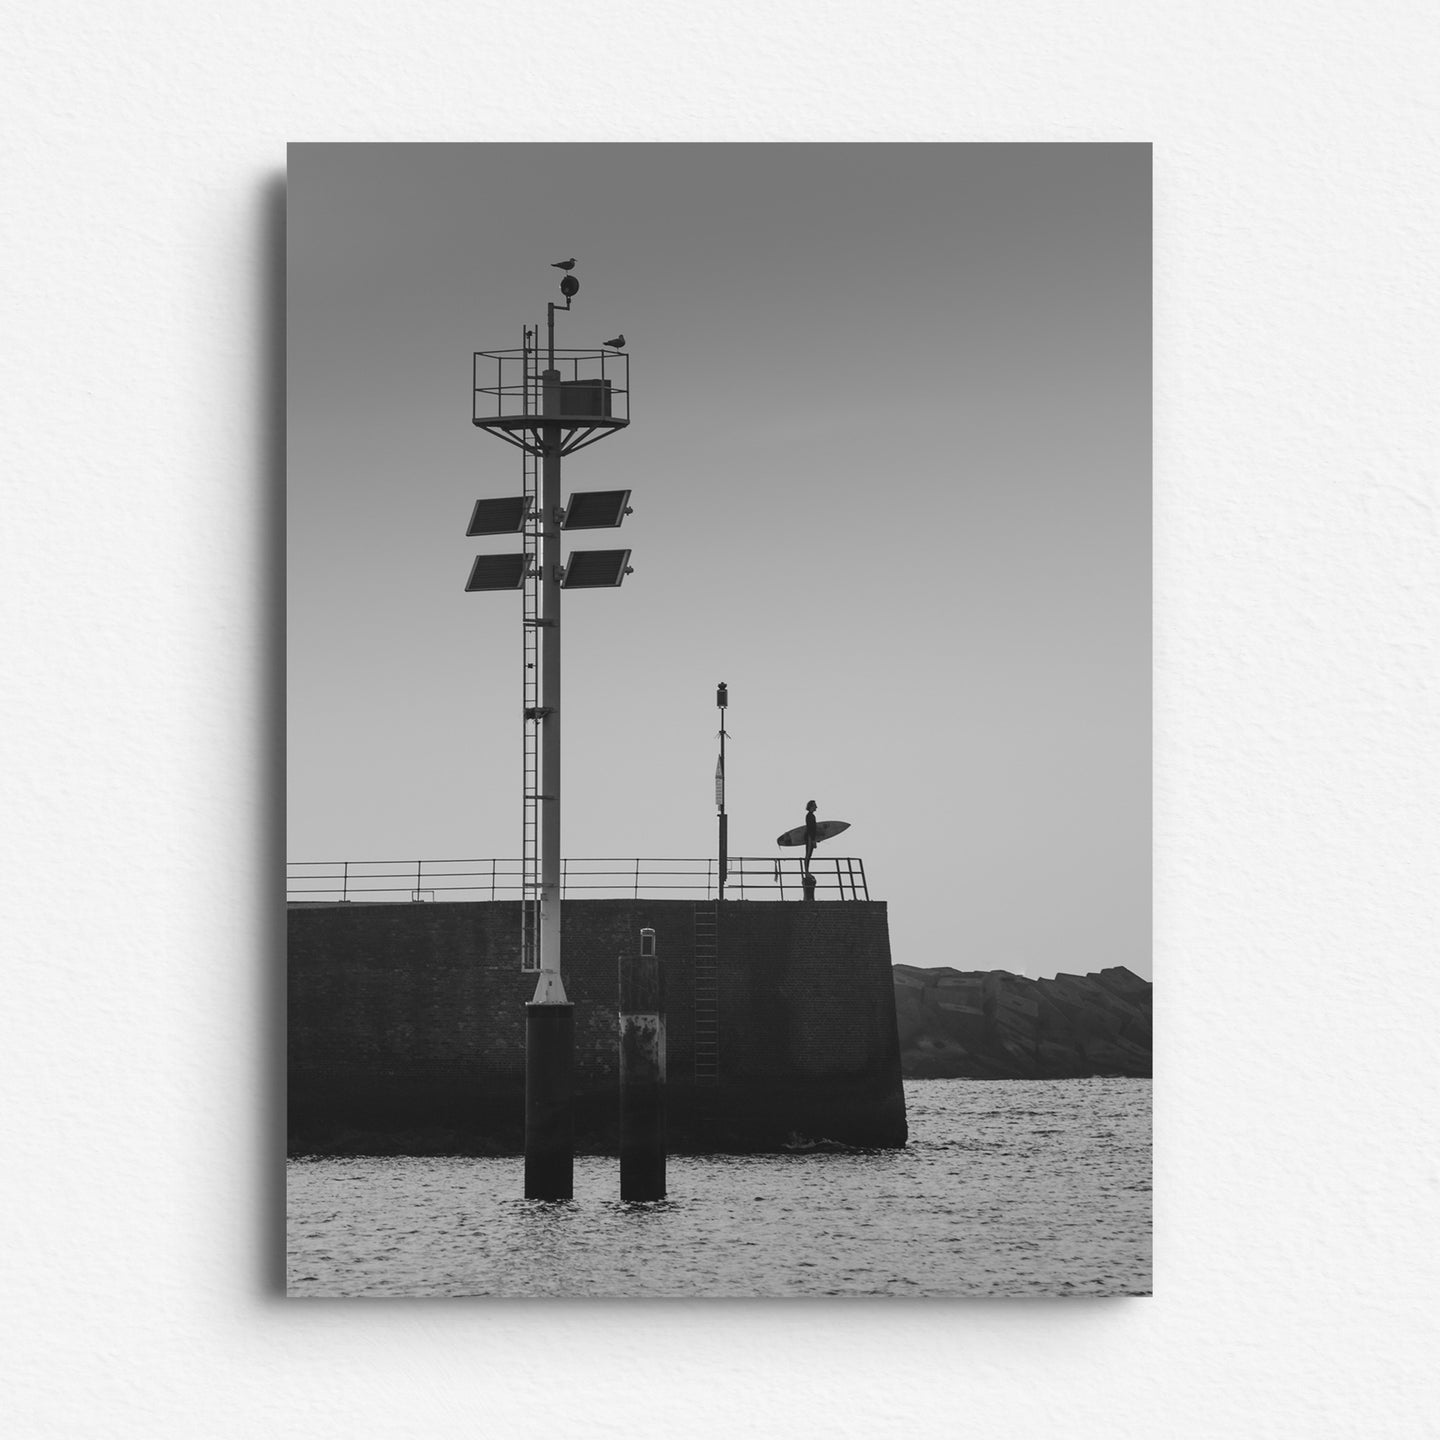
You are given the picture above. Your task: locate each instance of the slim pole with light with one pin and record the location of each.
(722, 699)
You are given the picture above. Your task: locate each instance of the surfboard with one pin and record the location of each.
(823, 831)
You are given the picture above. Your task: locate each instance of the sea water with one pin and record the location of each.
(1007, 1187)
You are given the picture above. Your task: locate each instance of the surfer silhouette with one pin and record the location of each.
(810, 834)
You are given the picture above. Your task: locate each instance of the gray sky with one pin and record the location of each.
(891, 471)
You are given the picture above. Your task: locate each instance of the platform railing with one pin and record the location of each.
(837, 877)
(507, 384)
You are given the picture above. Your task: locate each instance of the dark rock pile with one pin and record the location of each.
(992, 1025)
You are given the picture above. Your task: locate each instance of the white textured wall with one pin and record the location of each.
(1296, 602)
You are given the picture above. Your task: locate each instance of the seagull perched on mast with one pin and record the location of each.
(618, 343)
(563, 265)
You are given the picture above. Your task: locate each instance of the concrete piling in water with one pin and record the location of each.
(549, 1102)
(642, 1074)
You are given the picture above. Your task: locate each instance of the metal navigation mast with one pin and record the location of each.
(579, 397)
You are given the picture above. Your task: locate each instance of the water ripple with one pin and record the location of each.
(1008, 1187)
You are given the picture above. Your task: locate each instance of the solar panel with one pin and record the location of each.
(592, 569)
(595, 509)
(497, 572)
(499, 517)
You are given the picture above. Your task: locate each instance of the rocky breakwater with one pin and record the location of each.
(992, 1025)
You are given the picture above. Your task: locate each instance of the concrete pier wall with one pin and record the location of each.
(407, 1025)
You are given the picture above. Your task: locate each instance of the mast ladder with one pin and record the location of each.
(530, 827)
(706, 1042)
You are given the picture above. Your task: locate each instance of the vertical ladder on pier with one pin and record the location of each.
(707, 1011)
(530, 829)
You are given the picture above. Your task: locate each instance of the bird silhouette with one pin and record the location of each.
(618, 343)
(563, 265)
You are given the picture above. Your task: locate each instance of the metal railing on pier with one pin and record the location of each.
(837, 877)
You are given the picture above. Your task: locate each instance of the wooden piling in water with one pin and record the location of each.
(642, 1074)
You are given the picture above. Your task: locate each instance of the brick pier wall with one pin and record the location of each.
(407, 1025)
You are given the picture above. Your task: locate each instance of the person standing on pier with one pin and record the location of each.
(811, 837)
